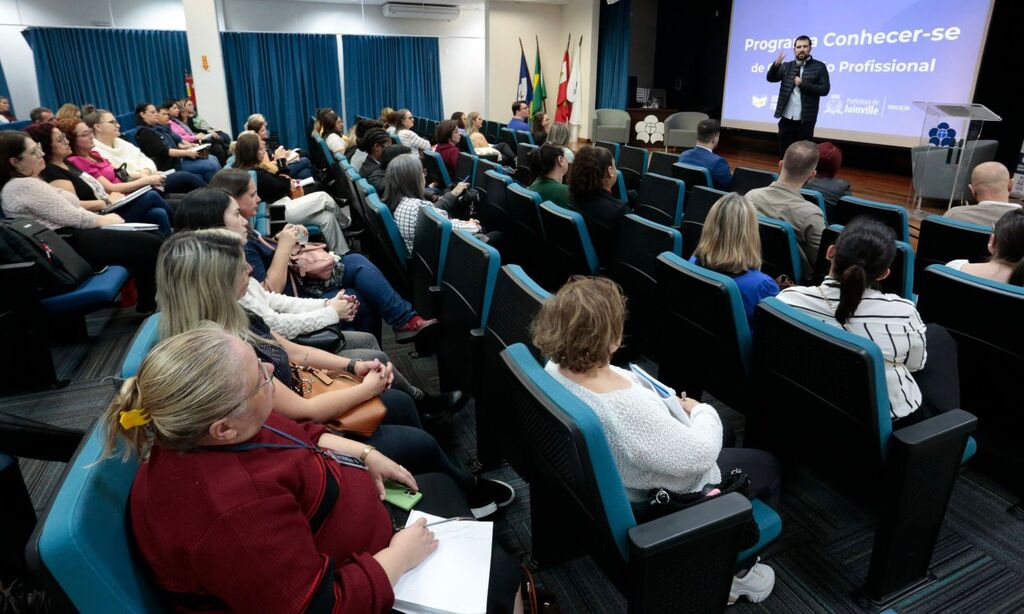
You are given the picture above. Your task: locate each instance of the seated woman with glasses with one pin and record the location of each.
(298, 165)
(62, 174)
(107, 142)
(168, 151)
(181, 130)
(24, 194)
(228, 506)
(402, 121)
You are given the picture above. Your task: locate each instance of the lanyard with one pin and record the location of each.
(298, 443)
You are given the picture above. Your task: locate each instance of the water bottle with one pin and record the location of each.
(303, 234)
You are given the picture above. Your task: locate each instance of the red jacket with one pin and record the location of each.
(232, 529)
(450, 155)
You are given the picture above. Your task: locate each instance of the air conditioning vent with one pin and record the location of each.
(437, 12)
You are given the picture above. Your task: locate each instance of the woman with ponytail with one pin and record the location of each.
(1006, 244)
(231, 511)
(549, 166)
(849, 297)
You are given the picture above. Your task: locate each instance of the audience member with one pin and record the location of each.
(358, 156)
(180, 129)
(539, 129)
(1006, 244)
(730, 244)
(376, 178)
(120, 153)
(190, 116)
(332, 131)
(460, 120)
(501, 151)
(403, 192)
(315, 208)
(167, 152)
(447, 137)
(549, 166)
(848, 298)
(590, 193)
(782, 199)
(704, 156)
(68, 111)
(830, 160)
(24, 194)
(298, 165)
(990, 186)
(558, 134)
(520, 113)
(183, 429)
(578, 330)
(385, 115)
(6, 114)
(201, 276)
(374, 142)
(402, 121)
(40, 114)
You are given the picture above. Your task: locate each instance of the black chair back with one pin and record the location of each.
(699, 201)
(493, 207)
(901, 272)
(746, 179)
(465, 169)
(429, 250)
(660, 199)
(526, 234)
(524, 170)
(941, 240)
(567, 247)
(661, 163)
(633, 158)
(693, 176)
(893, 216)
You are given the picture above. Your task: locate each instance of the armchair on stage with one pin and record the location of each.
(950, 148)
(610, 125)
(681, 129)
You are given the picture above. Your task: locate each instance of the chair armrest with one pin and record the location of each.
(685, 561)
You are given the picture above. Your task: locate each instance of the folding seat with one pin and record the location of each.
(516, 302)
(526, 235)
(780, 254)
(567, 247)
(493, 208)
(705, 336)
(901, 273)
(389, 254)
(834, 413)
(467, 286)
(482, 166)
(524, 170)
(436, 170)
(817, 199)
(492, 130)
(508, 137)
(613, 148)
(633, 159)
(661, 163)
(429, 128)
(699, 201)
(746, 179)
(941, 240)
(984, 317)
(893, 216)
(692, 176)
(634, 263)
(620, 187)
(660, 199)
(465, 169)
(525, 137)
(578, 506)
(429, 250)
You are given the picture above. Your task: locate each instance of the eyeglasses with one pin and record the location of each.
(61, 138)
(112, 122)
(268, 378)
(36, 151)
(88, 132)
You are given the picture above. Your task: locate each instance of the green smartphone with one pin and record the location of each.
(401, 496)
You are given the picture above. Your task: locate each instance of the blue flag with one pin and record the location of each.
(524, 91)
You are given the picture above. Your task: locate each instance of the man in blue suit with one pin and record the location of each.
(704, 155)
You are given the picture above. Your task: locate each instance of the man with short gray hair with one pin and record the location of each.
(782, 200)
(990, 185)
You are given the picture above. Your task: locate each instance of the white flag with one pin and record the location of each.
(572, 91)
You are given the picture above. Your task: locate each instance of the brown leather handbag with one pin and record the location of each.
(362, 420)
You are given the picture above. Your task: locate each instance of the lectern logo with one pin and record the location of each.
(759, 101)
(650, 130)
(942, 136)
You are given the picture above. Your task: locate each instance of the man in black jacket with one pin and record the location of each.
(804, 82)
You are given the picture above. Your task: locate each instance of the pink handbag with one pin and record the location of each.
(312, 260)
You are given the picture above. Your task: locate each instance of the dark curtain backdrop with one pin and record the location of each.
(613, 55)
(111, 68)
(393, 71)
(286, 77)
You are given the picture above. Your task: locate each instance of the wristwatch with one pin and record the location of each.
(366, 452)
(351, 366)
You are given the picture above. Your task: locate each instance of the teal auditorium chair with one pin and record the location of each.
(429, 250)
(692, 175)
(833, 412)
(524, 170)
(661, 163)
(816, 198)
(18, 125)
(901, 272)
(516, 301)
(620, 187)
(524, 137)
(780, 254)
(940, 240)
(633, 158)
(699, 201)
(683, 562)
(482, 166)
(465, 169)
(436, 170)
(568, 250)
(389, 253)
(746, 179)
(893, 216)
(493, 207)
(706, 344)
(660, 199)
(526, 234)
(613, 148)
(984, 317)
(467, 287)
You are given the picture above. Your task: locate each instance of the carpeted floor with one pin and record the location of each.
(822, 556)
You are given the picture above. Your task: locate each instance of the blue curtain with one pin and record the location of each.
(286, 77)
(613, 56)
(111, 68)
(393, 71)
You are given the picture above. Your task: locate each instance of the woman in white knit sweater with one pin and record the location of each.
(24, 194)
(579, 329)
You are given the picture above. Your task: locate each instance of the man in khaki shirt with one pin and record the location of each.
(782, 200)
(990, 185)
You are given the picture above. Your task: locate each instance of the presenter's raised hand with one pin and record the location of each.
(782, 56)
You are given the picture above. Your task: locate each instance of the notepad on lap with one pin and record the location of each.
(201, 147)
(131, 226)
(665, 393)
(307, 181)
(454, 578)
(127, 199)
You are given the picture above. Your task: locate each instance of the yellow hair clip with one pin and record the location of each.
(133, 418)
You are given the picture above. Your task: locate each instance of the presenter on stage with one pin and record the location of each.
(804, 82)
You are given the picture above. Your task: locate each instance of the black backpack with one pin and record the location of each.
(58, 269)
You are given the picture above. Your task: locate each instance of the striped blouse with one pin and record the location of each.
(890, 321)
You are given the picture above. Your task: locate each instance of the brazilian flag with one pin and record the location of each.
(540, 93)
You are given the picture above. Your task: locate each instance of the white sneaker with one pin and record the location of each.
(755, 585)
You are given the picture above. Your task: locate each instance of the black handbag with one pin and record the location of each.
(121, 173)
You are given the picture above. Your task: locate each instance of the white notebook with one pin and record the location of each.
(127, 199)
(665, 393)
(454, 578)
(131, 227)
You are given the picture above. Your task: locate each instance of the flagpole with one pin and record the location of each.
(544, 100)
